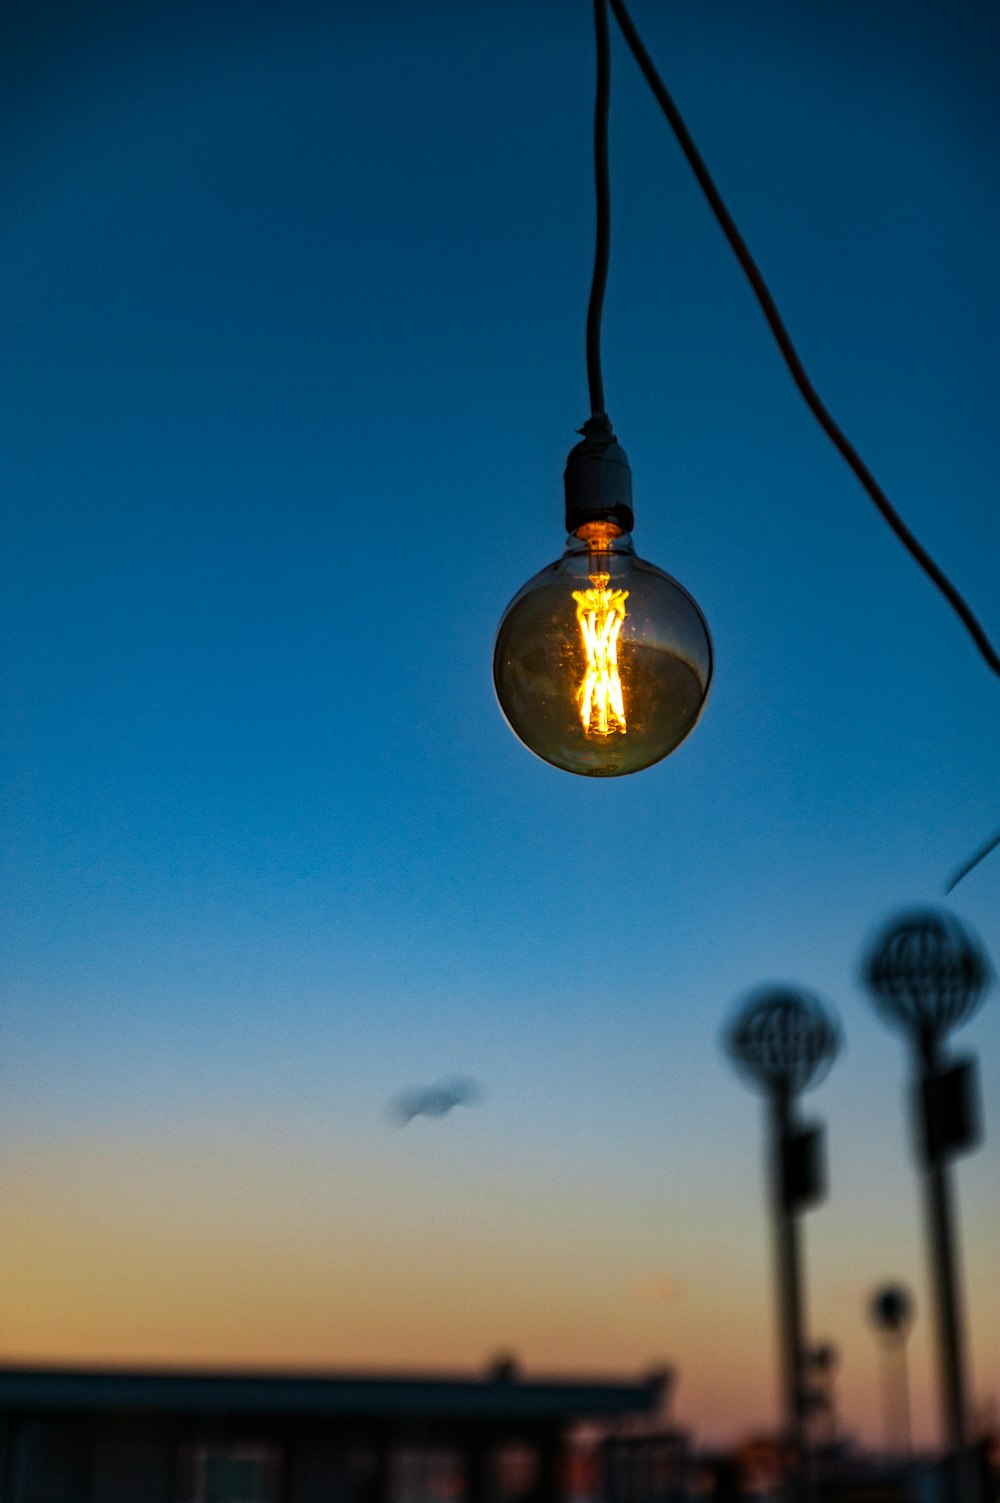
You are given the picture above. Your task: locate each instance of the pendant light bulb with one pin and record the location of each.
(602, 662)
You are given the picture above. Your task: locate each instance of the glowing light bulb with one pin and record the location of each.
(600, 612)
(602, 662)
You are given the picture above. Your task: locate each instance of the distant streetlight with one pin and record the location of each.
(891, 1312)
(822, 1362)
(783, 1041)
(927, 976)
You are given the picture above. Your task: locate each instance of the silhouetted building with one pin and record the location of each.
(651, 1467)
(99, 1436)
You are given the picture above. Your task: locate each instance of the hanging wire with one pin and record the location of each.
(602, 187)
(764, 298)
(973, 861)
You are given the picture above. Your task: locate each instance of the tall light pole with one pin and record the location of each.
(783, 1041)
(891, 1311)
(927, 976)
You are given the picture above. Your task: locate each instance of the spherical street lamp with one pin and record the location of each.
(927, 975)
(782, 1041)
(891, 1311)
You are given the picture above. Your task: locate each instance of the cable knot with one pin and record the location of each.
(598, 430)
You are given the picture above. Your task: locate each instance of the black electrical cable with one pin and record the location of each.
(764, 298)
(973, 861)
(602, 185)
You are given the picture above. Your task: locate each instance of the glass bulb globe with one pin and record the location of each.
(602, 662)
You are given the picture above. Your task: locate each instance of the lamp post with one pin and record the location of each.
(783, 1041)
(927, 976)
(891, 1311)
(822, 1362)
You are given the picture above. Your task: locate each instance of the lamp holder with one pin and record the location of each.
(598, 479)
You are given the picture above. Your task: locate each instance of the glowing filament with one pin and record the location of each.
(600, 612)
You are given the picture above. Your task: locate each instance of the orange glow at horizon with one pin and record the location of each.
(601, 613)
(210, 1247)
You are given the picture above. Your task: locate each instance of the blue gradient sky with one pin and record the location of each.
(294, 304)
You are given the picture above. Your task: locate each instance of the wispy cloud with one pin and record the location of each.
(434, 1100)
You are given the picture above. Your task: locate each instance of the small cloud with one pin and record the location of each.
(434, 1100)
(662, 1289)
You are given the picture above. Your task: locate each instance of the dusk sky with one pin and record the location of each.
(293, 305)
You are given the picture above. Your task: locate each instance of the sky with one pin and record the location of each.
(293, 301)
